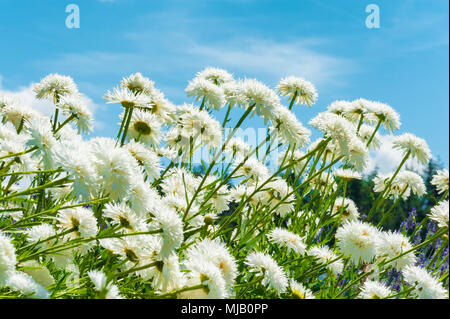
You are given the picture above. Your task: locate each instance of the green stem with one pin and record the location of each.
(226, 116)
(374, 132)
(55, 120)
(293, 100)
(70, 118)
(127, 124)
(36, 189)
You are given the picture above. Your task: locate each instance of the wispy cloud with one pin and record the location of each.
(275, 59)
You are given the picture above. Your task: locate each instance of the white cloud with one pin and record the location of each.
(275, 59)
(386, 159)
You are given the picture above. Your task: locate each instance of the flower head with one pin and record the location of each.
(393, 245)
(74, 105)
(426, 286)
(299, 291)
(416, 146)
(55, 86)
(304, 91)
(357, 240)
(374, 290)
(383, 113)
(145, 127)
(265, 265)
(439, 214)
(216, 76)
(441, 181)
(105, 289)
(211, 94)
(138, 84)
(8, 257)
(284, 238)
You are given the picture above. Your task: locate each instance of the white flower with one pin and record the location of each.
(8, 257)
(116, 167)
(138, 84)
(357, 240)
(141, 196)
(126, 98)
(356, 109)
(347, 208)
(180, 182)
(366, 132)
(396, 189)
(339, 107)
(204, 90)
(347, 174)
(221, 196)
(409, 143)
(81, 219)
(439, 214)
(54, 86)
(161, 107)
(40, 233)
(414, 182)
(265, 265)
(242, 192)
(195, 123)
(172, 227)
(357, 154)
(217, 253)
(391, 245)
(237, 147)
(79, 165)
(105, 289)
(21, 163)
(167, 275)
(135, 251)
(19, 115)
(253, 170)
(304, 91)
(280, 196)
(441, 181)
(256, 94)
(426, 286)
(41, 135)
(325, 256)
(335, 127)
(216, 76)
(300, 291)
(7, 133)
(145, 127)
(26, 285)
(288, 128)
(232, 92)
(284, 238)
(383, 113)
(74, 105)
(208, 274)
(374, 290)
(122, 215)
(403, 183)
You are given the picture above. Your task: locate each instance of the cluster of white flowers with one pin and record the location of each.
(136, 217)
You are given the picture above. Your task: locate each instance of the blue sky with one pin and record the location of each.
(403, 63)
